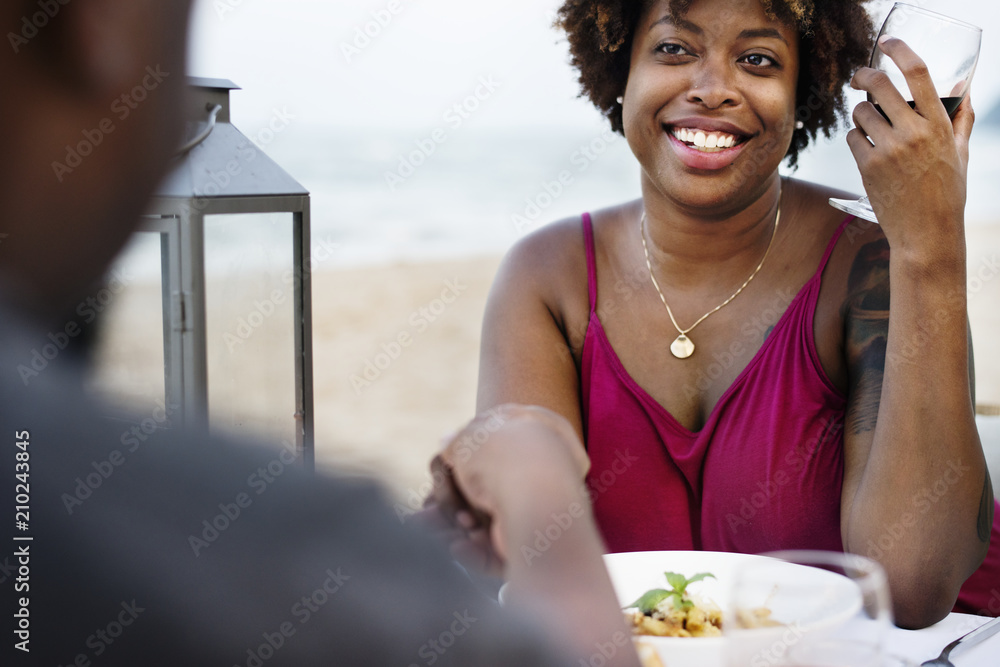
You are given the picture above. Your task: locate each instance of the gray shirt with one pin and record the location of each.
(175, 548)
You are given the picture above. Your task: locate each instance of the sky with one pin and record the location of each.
(314, 57)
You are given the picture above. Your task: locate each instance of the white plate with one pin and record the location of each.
(632, 574)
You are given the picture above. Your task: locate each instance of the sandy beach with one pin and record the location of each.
(396, 356)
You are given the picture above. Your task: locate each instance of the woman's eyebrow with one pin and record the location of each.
(752, 33)
(677, 22)
(749, 33)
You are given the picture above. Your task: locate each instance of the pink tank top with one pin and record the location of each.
(764, 473)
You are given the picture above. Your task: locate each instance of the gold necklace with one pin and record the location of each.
(683, 347)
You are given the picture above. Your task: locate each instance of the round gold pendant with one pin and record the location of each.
(682, 348)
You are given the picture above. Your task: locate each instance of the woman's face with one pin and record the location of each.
(709, 107)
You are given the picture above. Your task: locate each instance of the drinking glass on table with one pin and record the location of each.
(809, 609)
(949, 48)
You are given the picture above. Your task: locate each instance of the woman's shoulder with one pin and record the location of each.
(813, 205)
(857, 269)
(549, 265)
(553, 258)
(554, 243)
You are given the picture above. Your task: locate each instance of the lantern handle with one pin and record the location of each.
(213, 111)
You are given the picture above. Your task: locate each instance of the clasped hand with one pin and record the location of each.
(497, 476)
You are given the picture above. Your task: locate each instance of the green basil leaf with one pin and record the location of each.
(677, 581)
(699, 577)
(647, 603)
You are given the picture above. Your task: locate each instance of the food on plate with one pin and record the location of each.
(674, 612)
(755, 618)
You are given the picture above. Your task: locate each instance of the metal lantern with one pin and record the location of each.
(220, 361)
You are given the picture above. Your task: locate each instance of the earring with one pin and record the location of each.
(799, 125)
(620, 100)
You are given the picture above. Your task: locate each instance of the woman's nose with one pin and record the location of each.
(713, 86)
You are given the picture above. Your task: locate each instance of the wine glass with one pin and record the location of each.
(809, 609)
(949, 48)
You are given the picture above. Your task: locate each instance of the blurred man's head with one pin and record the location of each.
(91, 112)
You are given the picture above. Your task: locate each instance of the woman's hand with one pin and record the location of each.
(507, 466)
(914, 169)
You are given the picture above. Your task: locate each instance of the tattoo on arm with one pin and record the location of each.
(866, 320)
(986, 506)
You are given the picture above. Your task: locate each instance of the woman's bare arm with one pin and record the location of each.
(913, 463)
(916, 491)
(526, 355)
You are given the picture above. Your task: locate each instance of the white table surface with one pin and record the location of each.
(920, 645)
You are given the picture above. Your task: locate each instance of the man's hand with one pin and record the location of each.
(507, 457)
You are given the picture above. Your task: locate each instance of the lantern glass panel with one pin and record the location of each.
(125, 318)
(249, 307)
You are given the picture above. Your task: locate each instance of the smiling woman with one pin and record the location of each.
(836, 40)
(822, 427)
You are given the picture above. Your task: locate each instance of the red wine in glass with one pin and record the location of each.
(950, 105)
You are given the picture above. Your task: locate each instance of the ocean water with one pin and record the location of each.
(482, 189)
(391, 197)
(380, 196)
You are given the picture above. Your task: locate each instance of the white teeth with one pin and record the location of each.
(705, 140)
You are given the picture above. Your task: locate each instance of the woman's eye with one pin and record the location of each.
(759, 60)
(672, 49)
